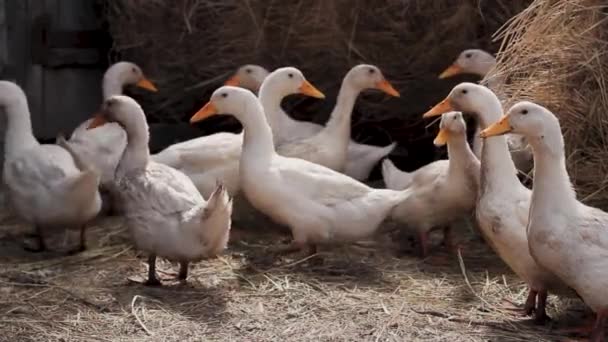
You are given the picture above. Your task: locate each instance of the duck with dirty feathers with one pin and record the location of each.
(45, 185)
(565, 236)
(503, 203)
(318, 204)
(103, 147)
(360, 159)
(166, 214)
(451, 195)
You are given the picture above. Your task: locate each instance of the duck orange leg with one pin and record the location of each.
(529, 306)
(82, 242)
(423, 240)
(540, 313)
(183, 270)
(152, 280)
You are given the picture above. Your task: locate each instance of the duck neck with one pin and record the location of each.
(137, 153)
(110, 87)
(498, 171)
(552, 186)
(494, 81)
(257, 135)
(271, 102)
(19, 135)
(459, 154)
(340, 119)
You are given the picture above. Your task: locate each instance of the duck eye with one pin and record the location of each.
(371, 70)
(464, 91)
(224, 95)
(290, 75)
(249, 71)
(134, 70)
(468, 55)
(524, 112)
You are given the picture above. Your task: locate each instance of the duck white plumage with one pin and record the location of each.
(503, 203)
(565, 236)
(399, 180)
(103, 147)
(166, 214)
(213, 158)
(45, 186)
(248, 76)
(318, 204)
(451, 195)
(329, 147)
(479, 62)
(361, 158)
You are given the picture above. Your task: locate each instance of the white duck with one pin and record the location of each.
(451, 195)
(249, 76)
(479, 62)
(45, 186)
(216, 157)
(318, 204)
(329, 147)
(361, 158)
(565, 236)
(103, 147)
(503, 202)
(166, 214)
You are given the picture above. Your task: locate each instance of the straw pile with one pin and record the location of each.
(555, 53)
(190, 46)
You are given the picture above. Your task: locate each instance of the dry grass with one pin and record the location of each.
(357, 294)
(556, 53)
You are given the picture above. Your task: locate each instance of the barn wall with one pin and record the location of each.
(51, 51)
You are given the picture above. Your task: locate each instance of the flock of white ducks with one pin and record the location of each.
(307, 177)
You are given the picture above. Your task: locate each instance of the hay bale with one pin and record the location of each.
(190, 46)
(555, 53)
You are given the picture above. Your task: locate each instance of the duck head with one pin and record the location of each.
(472, 61)
(366, 76)
(452, 124)
(249, 76)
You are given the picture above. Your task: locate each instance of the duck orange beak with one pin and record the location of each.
(98, 120)
(501, 127)
(388, 88)
(440, 108)
(233, 81)
(441, 138)
(308, 89)
(146, 84)
(452, 70)
(203, 113)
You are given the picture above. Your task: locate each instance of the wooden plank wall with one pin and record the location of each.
(60, 98)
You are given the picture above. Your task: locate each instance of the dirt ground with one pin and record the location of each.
(367, 292)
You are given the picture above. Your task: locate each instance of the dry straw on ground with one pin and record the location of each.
(358, 294)
(190, 46)
(555, 53)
